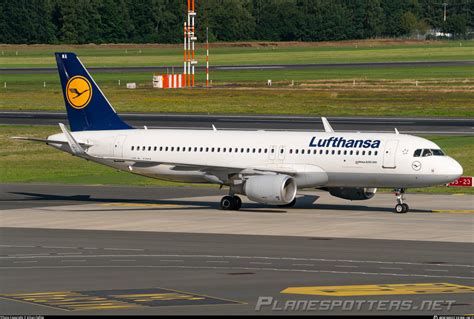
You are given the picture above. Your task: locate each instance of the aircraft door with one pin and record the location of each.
(281, 152)
(272, 153)
(390, 154)
(118, 146)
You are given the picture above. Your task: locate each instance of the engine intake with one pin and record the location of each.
(270, 189)
(352, 193)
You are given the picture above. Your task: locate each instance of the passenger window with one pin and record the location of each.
(327, 152)
(315, 151)
(320, 152)
(352, 152)
(143, 148)
(370, 152)
(296, 151)
(291, 151)
(357, 152)
(345, 152)
(201, 149)
(376, 153)
(333, 152)
(133, 147)
(339, 152)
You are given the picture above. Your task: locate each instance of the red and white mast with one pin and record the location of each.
(189, 49)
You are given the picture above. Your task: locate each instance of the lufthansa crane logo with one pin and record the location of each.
(78, 92)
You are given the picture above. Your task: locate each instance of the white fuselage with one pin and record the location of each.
(316, 159)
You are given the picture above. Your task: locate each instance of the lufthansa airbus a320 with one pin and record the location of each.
(267, 167)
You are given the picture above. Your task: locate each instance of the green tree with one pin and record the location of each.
(408, 23)
(457, 25)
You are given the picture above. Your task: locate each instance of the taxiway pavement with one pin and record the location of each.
(169, 250)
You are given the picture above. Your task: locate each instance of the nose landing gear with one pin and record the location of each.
(231, 203)
(401, 207)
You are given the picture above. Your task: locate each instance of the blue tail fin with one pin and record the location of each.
(87, 107)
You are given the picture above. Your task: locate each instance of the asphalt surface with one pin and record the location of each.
(237, 269)
(248, 67)
(437, 126)
(57, 270)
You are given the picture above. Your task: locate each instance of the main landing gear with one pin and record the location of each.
(231, 203)
(401, 207)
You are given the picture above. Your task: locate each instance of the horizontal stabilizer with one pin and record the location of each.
(44, 140)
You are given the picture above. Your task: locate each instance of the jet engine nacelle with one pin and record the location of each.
(270, 189)
(352, 193)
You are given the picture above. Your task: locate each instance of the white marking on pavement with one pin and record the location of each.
(247, 257)
(239, 268)
(132, 249)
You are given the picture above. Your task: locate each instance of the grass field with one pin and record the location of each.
(410, 91)
(440, 91)
(35, 162)
(243, 53)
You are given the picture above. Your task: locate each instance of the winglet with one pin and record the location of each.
(73, 144)
(396, 131)
(327, 126)
(214, 128)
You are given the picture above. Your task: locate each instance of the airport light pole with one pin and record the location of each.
(444, 11)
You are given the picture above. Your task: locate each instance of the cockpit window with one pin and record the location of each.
(428, 152)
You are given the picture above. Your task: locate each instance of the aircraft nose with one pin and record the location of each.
(455, 169)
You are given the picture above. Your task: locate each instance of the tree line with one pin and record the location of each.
(161, 21)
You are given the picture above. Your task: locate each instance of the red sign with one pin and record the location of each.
(463, 181)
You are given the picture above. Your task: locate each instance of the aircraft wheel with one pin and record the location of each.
(407, 208)
(401, 208)
(227, 203)
(238, 203)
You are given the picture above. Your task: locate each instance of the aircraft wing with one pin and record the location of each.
(230, 169)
